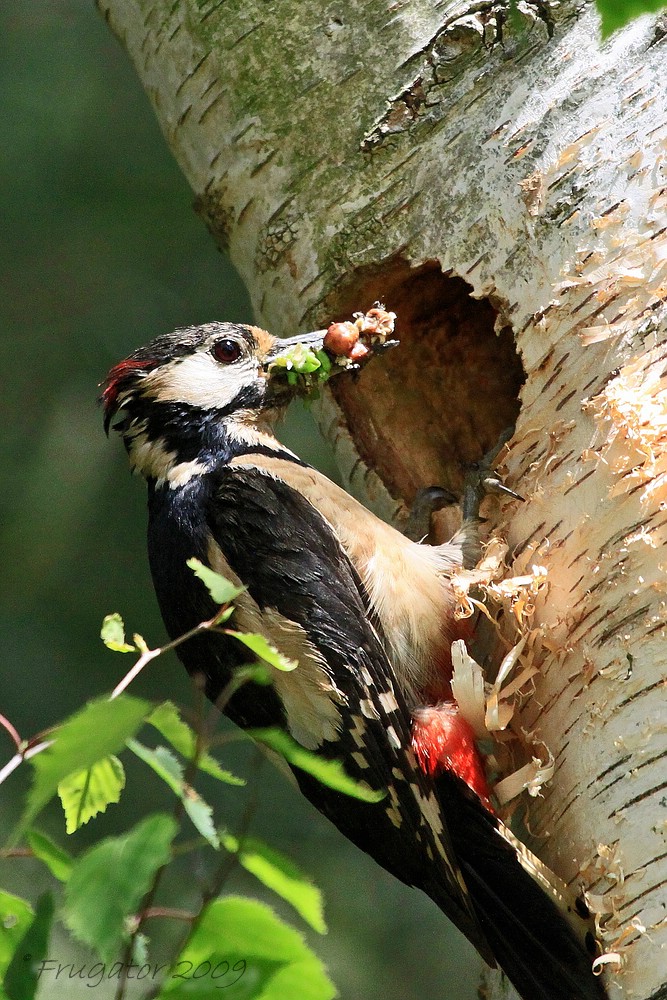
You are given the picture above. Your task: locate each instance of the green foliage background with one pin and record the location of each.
(100, 250)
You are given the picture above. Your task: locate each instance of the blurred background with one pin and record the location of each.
(100, 251)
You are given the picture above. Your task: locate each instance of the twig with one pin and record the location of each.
(30, 751)
(150, 654)
(136, 669)
(10, 766)
(169, 912)
(17, 852)
(6, 724)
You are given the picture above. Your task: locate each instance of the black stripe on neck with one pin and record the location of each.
(192, 433)
(264, 449)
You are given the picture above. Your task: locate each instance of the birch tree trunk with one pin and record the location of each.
(503, 188)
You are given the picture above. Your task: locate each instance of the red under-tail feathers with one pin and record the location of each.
(442, 739)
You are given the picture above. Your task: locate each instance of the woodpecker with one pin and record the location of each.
(369, 616)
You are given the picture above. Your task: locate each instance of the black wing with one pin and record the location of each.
(291, 561)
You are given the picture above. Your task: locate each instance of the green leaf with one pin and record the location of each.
(300, 359)
(242, 945)
(168, 722)
(140, 949)
(280, 874)
(221, 590)
(167, 767)
(257, 673)
(99, 729)
(224, 616)
(55, 857)
(324, 360)
(109, 881)
(616, 13)
(24, 970)
(15, 917)
(259, 645)
(328, 772)
(87, 793)
(113, 634)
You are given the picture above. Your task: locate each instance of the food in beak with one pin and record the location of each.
(344, 345)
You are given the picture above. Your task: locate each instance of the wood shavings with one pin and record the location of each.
(490, 568)
(609, 958)
(468, 688)
(528, 778)
(517, 594)
(606, 867)
(631, 414)
(489, 709)
(641, 535)
(500, 703)
(520, 592)
(614, 954)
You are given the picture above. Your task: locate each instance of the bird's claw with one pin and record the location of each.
(481, 479)
(427, 501)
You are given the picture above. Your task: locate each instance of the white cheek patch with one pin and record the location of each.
(200, 380)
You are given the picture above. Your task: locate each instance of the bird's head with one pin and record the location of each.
(188, 395)
(222, 367)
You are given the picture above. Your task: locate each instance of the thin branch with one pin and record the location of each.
(228, 864)
(168, 912)
(17, 852)
(179, 807)
(31, 751)
(143, 660)
(6, 724)
(26, 751)
(186, 846)
(150, 654)
(10, 766)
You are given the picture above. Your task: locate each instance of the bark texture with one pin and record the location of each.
(422, 153)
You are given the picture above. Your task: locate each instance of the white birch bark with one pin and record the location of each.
(352, 149)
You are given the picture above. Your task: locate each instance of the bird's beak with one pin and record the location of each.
(284, 348)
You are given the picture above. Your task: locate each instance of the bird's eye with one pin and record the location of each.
(226, 351)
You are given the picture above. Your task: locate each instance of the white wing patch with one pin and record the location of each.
(393, 810)
(310, 698)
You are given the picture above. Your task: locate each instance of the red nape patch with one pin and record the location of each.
(115, 382)
(443, 741)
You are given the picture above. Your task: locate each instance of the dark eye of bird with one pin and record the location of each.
(226, 351)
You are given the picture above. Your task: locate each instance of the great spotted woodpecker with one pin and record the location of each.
(369, 616)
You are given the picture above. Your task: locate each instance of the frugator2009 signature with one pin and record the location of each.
(223, 974)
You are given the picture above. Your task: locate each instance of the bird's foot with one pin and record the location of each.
(481, 479)
(427, 501)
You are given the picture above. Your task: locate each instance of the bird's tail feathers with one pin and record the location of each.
(537, 936)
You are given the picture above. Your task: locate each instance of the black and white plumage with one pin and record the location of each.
(367, 613)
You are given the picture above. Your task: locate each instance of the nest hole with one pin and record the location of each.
(426, 410)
